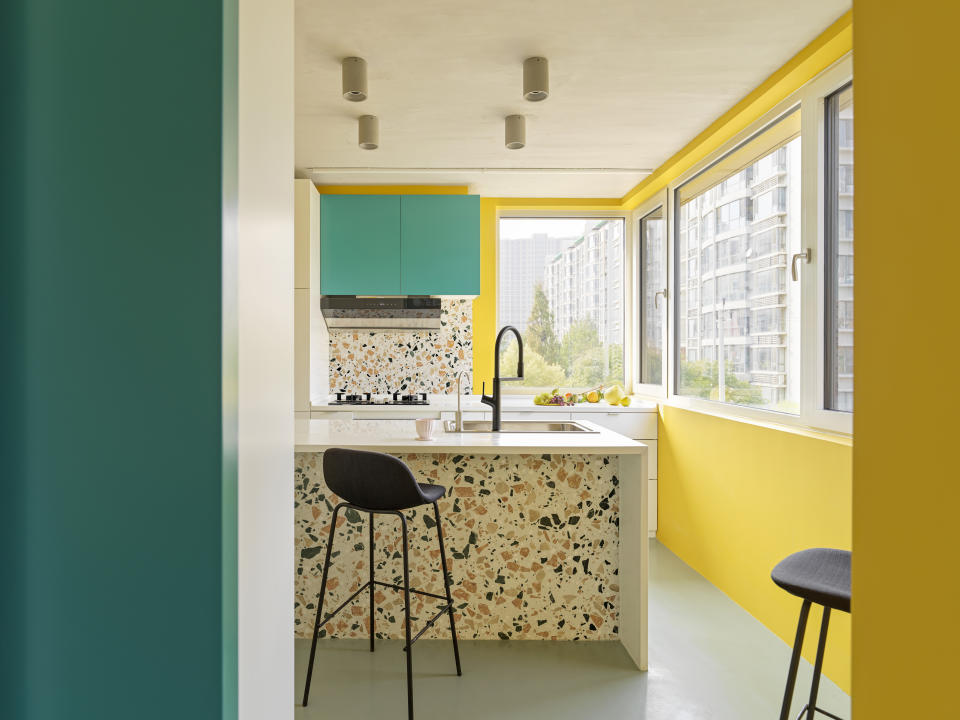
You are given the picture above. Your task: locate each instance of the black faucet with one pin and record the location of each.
(494, 401)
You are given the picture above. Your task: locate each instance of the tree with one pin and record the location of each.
(578, 341)
(614, 374)
(540, 336)
(699, 378)
(537, 372)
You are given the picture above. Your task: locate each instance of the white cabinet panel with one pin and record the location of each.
(652, 497)
(651, 458)
(638, 426)
(301, 350)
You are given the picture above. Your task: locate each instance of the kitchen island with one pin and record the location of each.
(546, 533)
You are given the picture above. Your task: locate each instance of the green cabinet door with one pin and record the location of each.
(360, 245)
(440, 245)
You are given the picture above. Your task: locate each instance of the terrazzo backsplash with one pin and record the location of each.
(386, 361)
(532, 548)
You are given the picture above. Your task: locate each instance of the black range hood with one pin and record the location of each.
(352, 312)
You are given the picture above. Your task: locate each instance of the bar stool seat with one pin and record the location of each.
(377, 483)
(432, 492)
(821, 576)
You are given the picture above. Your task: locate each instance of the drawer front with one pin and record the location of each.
(331, 415)
(467, 415)
(538, 415)
(637, 425)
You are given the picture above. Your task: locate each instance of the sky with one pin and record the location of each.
(519, 228)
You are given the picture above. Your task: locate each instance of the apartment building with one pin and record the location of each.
(585, 281)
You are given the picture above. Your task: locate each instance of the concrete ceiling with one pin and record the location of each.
(631, 82)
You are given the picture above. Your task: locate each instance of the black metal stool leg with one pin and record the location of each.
(818, 667)
(446, 587)
(323, 589)
(406, 615)
(795, 661)
(372, 586)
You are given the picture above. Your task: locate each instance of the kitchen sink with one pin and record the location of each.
(520, 426)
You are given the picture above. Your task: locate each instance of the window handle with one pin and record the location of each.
(656, 297)
(805, 256)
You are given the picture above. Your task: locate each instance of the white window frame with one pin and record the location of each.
(659, 200)
(629, 316)
(813, 415)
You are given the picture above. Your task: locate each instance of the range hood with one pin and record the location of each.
(351, 312)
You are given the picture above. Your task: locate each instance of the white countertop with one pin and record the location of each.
(471, 403)
(400, 436)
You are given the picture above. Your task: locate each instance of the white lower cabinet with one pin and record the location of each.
(640, 426)
(634, 425)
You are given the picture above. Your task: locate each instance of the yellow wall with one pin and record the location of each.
(906, 485)
(735, 498)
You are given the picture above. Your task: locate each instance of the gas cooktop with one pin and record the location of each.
(370, 399)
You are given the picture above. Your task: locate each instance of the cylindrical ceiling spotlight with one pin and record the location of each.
(369, 132)
(354, 70)
(515, 136)
(536, 79)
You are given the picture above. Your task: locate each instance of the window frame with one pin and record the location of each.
(629, 318)
(659, 201)
(810, 99)
(832, 229)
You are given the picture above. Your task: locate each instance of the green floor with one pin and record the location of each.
(709, 659)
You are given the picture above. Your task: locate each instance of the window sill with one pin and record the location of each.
(794, 428)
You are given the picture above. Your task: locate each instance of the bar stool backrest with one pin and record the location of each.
(371, 480)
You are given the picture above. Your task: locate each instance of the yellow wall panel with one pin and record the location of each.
(735, 498)
(906, 490)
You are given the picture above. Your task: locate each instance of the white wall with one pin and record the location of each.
(265, 370)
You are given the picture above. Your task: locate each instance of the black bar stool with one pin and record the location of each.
(821, 576)
(374, 483)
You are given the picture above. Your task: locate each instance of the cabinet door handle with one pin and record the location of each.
(805, 256)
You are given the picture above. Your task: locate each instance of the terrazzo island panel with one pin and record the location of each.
(532, 547)
(385, 361)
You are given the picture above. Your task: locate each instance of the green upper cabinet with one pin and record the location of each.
(360, 245)
(400, 244)
(440, 244)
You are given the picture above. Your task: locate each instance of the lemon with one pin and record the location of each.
(593, 396)
(625, 402)
(614, 395)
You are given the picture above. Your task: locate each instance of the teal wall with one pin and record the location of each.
(118, 486)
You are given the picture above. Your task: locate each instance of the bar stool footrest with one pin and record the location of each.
(430, 623)
(346, 602)
(819, 710)
(413, 590)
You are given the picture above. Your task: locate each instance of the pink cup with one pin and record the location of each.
(426, 428)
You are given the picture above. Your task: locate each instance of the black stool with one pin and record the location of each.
(376, 483)
(821, 576)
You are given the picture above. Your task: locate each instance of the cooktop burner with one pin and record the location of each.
(370, 399)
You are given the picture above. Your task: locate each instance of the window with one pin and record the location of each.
(760, 236)
(748, 332)
(653, 294)
(561, 285)
(838, 245)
